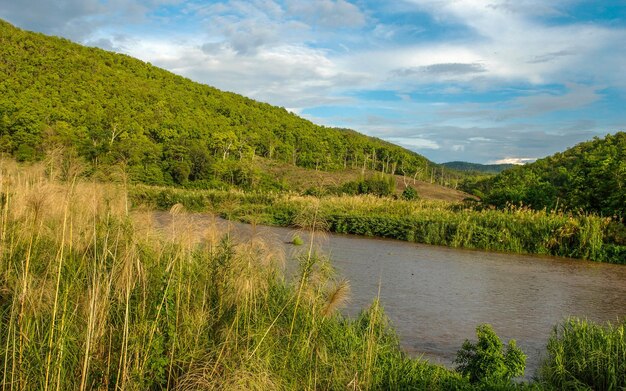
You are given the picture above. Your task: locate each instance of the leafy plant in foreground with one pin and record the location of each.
(488, 360)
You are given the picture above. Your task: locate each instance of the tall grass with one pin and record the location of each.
(514, 229)
(585, 355)
(92, 296)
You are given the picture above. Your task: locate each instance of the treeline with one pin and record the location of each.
(590, 177)
(109, 108)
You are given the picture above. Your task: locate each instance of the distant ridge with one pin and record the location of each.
(477, 167)
(110, 108)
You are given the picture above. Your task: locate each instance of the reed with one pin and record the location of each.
(96, 296)
(515, 229)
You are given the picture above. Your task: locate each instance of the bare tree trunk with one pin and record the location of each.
(226, 150)
(419, 170)
(404, 178)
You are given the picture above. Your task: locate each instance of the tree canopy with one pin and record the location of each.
(110, 108)
(590, 176)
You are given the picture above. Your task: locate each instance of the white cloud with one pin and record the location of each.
(76, 19)
(514, 160)
(415, 142)
(578, 96)
(512, 44)
(289, 75)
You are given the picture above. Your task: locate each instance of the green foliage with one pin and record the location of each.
(488, 360)
(378, 186)
(409, 193)
(590, 176)
(96, 298)
(118, 304)
(517, 230)
(586, 355)
(297, 240)
(167, 130)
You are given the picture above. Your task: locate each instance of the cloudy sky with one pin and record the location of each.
(476, 80)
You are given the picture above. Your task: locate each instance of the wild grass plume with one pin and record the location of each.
(93, 296)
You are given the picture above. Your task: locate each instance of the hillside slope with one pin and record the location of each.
(590, 176)
(303, 179)
(110, 108)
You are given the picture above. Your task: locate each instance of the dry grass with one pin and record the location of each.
(93, 296)
(301, 179)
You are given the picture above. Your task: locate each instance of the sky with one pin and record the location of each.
(486, 81)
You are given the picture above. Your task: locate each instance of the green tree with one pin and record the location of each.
(111, 108)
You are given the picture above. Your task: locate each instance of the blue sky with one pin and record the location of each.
(475, 80)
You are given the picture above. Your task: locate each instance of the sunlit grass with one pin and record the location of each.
(585, 355)
(515, 229)
(92, 296)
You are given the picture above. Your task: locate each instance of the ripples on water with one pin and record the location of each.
(436, 296)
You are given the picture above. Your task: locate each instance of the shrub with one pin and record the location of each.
(410, 194)
(383, 186)
(488, 360)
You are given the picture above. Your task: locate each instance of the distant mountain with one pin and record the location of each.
(590, 176)
(476, 167)
(110, 108)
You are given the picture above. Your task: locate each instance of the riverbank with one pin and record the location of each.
(515, 230)
(93, 297)
(522, 296)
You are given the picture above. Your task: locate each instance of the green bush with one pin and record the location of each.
(381, 186)
(297, 240)
(488, 360)
(409, 194)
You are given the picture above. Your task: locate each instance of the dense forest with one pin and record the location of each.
(590, 176)
(110, 108)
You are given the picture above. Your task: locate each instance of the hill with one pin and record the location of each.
(165, 129)
(590, 176)
(477, 168)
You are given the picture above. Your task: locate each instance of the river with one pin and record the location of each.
(436, 296)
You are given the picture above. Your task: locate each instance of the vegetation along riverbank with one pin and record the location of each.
(94, 297)
(512, 229)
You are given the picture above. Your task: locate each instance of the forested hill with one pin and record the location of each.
(591, 177)
(110, 108)
(477, 168)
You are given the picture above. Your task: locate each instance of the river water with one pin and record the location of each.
(436, 296)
